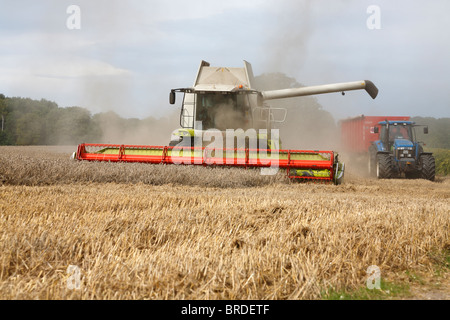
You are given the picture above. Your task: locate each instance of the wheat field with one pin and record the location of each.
(139, 231)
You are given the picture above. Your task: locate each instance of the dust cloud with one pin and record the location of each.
(111, 93)
(307, 125)
(148, 131)
(227, 116)
(287, 36)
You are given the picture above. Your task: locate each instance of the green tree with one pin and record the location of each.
(3, 114)
(27, 121)
(28, 129)
(73, 125)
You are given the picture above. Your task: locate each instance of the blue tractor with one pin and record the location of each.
(397, 153)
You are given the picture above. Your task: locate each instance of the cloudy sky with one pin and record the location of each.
(127, 55)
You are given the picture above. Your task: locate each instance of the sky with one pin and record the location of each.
(125, 56)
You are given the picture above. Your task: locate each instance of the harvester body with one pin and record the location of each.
(224, 98)
(224, 121)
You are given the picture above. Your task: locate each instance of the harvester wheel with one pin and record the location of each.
(385, 167)
(428, 167)
(339, 173)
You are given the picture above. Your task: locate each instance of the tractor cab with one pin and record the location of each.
(395, 134)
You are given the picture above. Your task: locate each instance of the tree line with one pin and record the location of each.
(24, 121)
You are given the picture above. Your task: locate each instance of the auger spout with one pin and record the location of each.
(367, 85)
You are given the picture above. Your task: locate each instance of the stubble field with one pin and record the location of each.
(137, 231)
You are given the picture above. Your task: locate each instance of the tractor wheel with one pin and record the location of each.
(385, 167)
(428, 167)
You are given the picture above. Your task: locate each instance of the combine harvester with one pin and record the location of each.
(224, 104)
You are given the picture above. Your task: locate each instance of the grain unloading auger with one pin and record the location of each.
(224, 107)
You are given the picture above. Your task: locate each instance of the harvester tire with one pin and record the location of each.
(428, 167)
(385, 167)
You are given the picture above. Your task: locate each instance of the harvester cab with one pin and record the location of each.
(398, 152)
(222, 98)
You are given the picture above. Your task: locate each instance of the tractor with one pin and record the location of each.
(397, 153)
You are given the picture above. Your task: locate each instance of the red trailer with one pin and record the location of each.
(357, 133)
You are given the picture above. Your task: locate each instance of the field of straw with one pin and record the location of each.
(136, 231)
